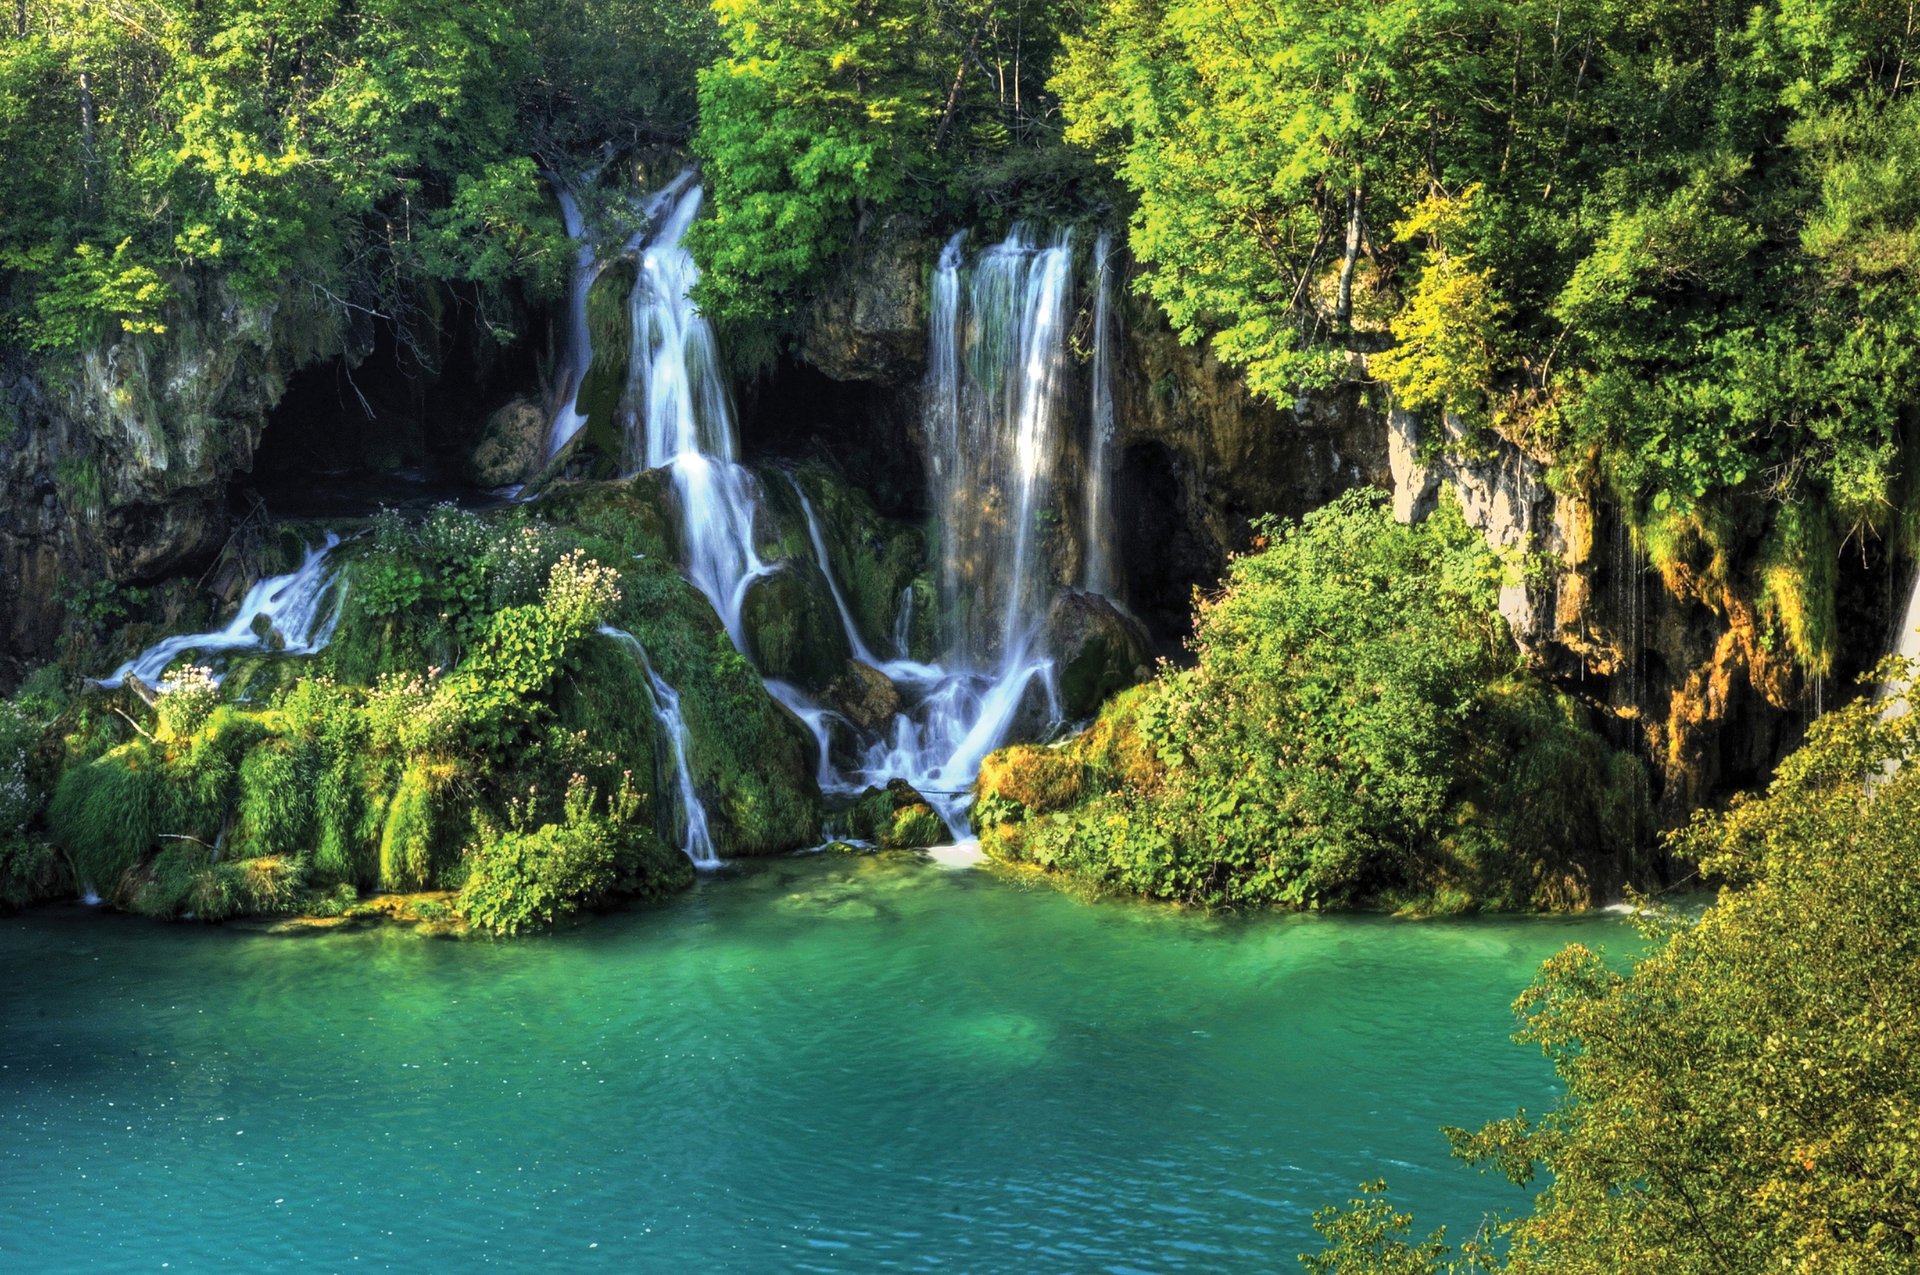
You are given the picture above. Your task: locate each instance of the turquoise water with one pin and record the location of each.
(818, 1064)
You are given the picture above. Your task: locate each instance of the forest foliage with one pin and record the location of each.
(1743, 1097)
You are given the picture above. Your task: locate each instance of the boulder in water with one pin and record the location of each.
(864, 696)
(1098, 649)
(896, 818)
(512, 444)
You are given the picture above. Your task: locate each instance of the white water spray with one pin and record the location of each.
(1098, 536)
(300, 609)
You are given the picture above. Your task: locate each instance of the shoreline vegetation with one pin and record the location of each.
(1659, 260)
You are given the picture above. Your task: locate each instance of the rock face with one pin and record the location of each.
(1201, 457)
(114, 463)
(870, 324)
(1675, 660)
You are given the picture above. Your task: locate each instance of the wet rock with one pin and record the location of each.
(896, 818)
(792, 629)
(1098, 649)
(864, 696)
(512, 444)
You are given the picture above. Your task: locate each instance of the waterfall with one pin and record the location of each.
(567, 418)
(995, 399)
(295, 607)
(994, 405)
(678, 413)
(1097, 549)
(859, 647)
(903, 625)
(696, 841)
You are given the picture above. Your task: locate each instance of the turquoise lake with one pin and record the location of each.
(818, 1063)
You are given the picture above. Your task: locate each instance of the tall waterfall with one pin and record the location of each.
(300, 609)
(678, 413)
(1097, 538)
(995, 399)
(695, 839)
(567, 417)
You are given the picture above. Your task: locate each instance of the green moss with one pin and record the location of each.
(275, 810)
(413, 831)
(792, 629)
(1799, 573)
(105, 814)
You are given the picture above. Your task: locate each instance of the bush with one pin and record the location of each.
(521, 879)
(1356, 731)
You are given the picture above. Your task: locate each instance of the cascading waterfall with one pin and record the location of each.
(678, 413)
(696, 840)
(995, 399)
(301, 610)
(567, 418)
(1098, 575)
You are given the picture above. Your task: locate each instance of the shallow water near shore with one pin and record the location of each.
(818, 1063)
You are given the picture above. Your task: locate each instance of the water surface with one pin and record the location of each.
(817, 1064)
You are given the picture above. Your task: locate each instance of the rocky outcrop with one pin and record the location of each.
(114, 463)
(1671, 654)
(870, 324)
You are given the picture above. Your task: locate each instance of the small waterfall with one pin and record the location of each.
(678, 413)
(1098, 576)
(859, 647)
(295, 607)
(942, 409)
(696, 841)
(568, 419)
(903, 625)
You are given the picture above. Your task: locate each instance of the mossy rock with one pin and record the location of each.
(874, 561)
(895, 818)
(1039, 780)
(864, 696)
(512, 444)
(792, 628)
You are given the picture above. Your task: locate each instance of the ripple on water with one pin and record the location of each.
(832, 1063)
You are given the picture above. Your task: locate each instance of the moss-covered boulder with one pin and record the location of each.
(512, 444)
(792, 628)
(896, 818)
(1098, 650)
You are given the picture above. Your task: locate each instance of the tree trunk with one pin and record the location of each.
(1343, 308)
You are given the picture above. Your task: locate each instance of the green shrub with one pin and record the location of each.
(1356, 732)
(521, 879)
(104, 814)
